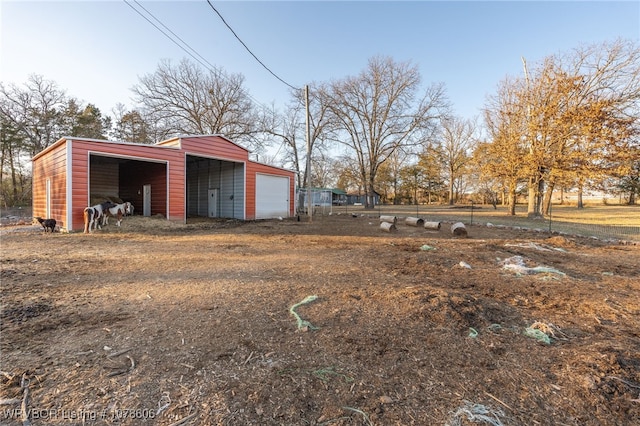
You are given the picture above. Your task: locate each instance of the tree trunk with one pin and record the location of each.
(546, 203)
(369, 203)
(531, 197)
(14, 179)
(580, 203)
(534, 208)
(451, 196)
(512, 198)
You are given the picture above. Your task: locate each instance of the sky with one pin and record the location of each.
(96, 51)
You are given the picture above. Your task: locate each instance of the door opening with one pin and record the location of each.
(146, 200)
(213, 202)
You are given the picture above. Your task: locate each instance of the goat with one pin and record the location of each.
(47, 224)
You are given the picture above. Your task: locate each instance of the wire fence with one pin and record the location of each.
(602, 222)
(605, 222)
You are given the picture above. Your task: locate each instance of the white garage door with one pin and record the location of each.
(272, 196)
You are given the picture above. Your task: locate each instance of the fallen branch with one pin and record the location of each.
(115, 354)
(355, 410)
(248, 358)
(496, 399)
(24, 411)
(133, 363)
(626, 382)
(118, 372)
(161, 408)
(184, 420)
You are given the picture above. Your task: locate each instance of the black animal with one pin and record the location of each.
(47, 224)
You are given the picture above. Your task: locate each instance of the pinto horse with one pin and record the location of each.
(93, 215)
(128, 209)
(118, 211)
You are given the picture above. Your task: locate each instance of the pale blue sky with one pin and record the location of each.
(96, 50)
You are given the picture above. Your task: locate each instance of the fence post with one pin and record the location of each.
(471, 223)
(550, 209)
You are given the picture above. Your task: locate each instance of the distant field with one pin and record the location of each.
(620, 222)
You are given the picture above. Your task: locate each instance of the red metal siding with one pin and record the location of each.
(163, 168)
(252, 170)
(174, 158)
(51, 167)
(214, 146)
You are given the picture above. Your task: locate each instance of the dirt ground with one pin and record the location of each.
(212, 323)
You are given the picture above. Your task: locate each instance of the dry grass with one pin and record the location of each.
(192, 323)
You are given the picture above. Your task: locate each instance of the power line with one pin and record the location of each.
(165, 34)
(210, 67)
(175, 35)
(246, 47)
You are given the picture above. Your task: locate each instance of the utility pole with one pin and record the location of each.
(309, 195)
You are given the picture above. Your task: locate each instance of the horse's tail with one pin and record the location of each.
(88, 213)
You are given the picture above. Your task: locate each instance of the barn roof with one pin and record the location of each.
(71, 138)
(165, 144)
(199, 137)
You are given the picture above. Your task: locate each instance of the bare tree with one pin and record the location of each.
(431, 172)
(185, 99)
(504, 157)
(571, 115)
(11, 173)
(289, 129)
(455, 143)
(348, 175)
(36, 111)
(604, 112)
(130, 126)
(323, 170)
(389, 177)
(31, 119)
(379, 111)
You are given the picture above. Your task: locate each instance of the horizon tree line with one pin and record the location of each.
(568, 121)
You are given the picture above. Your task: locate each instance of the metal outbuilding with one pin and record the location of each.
(186, 176)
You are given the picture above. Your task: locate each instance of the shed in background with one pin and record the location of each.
(182, 177)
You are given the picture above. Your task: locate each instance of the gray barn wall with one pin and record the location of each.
(232, 190)
(228, 177)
